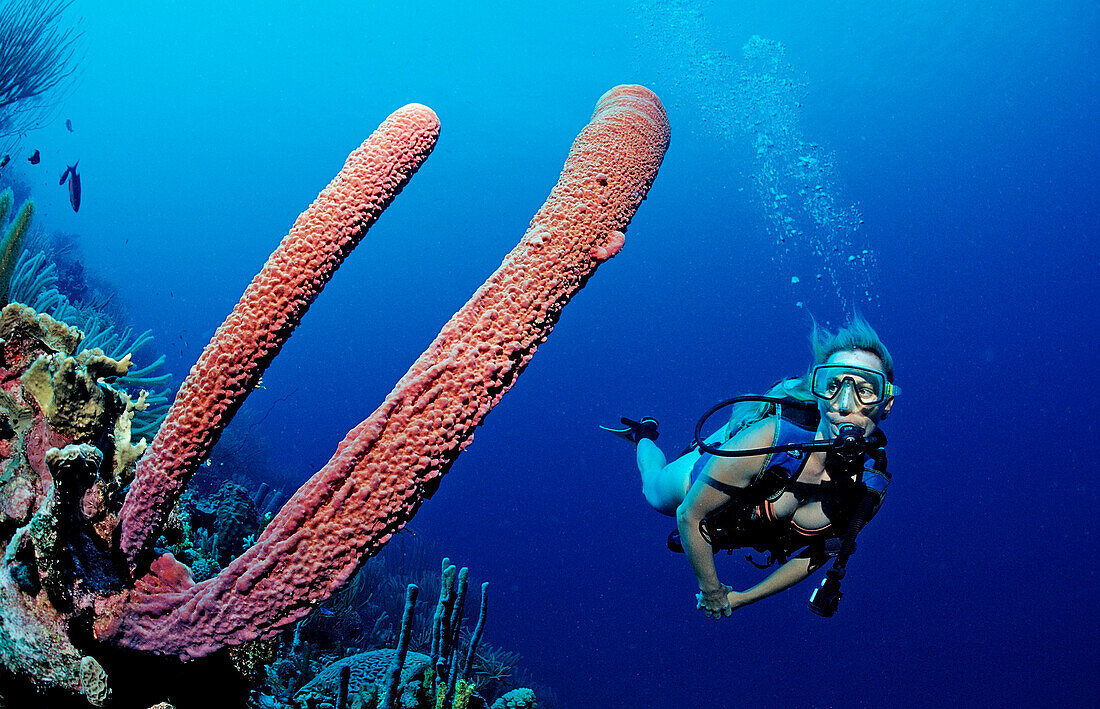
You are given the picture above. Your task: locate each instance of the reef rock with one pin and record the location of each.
(521, 698)
(366, 668)
(59, 502)
(235, 521)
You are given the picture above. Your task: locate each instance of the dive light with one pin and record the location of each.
(826, 597)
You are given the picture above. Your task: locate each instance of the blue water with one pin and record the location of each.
(963, 139)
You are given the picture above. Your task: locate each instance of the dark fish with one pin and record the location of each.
(34, 159)
(74, 189)
(68, 171)
(69, 125)
(4, 160)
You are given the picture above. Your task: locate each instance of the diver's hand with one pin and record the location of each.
(715, 603)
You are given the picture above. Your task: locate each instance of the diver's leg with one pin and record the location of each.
(664, 484)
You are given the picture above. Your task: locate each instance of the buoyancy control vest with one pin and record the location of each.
(853, 494)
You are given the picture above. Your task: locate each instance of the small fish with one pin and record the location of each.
(69, 124)
(4, 160)
(74, 189)
(68, 171)
(325, 612)
(34, 159)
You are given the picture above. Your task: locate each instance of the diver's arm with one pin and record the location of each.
(700, 501)
(794, 571)
(703, 498)
(787, 575)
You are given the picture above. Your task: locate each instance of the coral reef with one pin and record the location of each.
(394, 678)
(58, 496)
(34, 282)
(80, 555)
(517, 699)
(232, 520)
(362, 616)
(207, 531)
(388, 464)
(366, 668)
(12, 242)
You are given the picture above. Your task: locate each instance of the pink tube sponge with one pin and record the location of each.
(231, 365)
(384, 468)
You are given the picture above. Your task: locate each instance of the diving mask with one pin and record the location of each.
(869, 386)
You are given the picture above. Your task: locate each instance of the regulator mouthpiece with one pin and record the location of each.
(849, 443)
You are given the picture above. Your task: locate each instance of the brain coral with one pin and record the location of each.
(521, 698)
(366, 668)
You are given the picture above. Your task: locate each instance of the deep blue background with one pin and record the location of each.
(965, 135)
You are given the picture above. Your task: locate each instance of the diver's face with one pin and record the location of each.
(845, 407)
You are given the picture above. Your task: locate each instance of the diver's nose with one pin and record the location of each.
(846, 399)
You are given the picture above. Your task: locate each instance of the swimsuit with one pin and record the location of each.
(797, 423)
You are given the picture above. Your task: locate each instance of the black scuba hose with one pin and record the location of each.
(714, 450)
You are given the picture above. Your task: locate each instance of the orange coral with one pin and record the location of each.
(387, 465)
(272, 306)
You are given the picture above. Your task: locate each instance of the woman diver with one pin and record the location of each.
(795, 473)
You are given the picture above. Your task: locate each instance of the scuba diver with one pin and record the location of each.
(794, 474)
